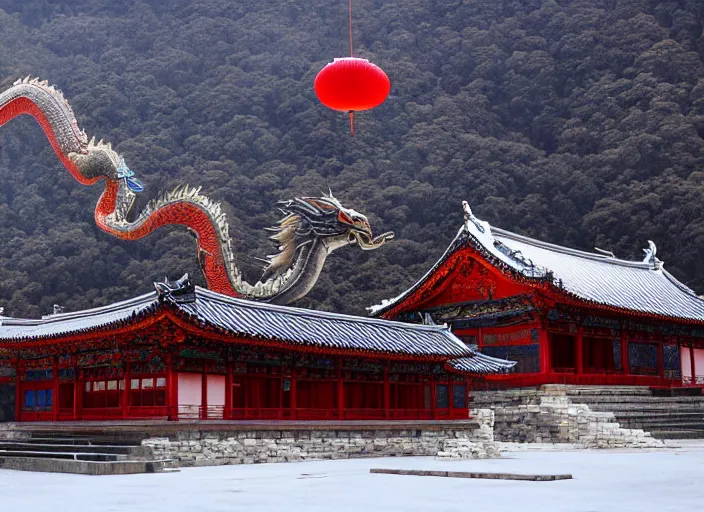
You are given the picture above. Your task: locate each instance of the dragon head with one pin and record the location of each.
(319, 218)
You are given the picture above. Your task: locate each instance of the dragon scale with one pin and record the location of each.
(311, 229)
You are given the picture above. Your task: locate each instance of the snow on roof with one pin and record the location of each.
(642, 286)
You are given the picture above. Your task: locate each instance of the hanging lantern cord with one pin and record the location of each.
(351, 55)
(350, 9)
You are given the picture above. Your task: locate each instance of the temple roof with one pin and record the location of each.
(250, 319)
(601, 279)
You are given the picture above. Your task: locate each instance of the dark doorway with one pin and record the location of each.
(562, 350)
(598, 355)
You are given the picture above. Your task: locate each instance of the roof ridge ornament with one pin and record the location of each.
(180, 291)
(610, 254)
(650, 255)
(482, 225)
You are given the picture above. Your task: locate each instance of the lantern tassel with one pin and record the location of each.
(352, 123)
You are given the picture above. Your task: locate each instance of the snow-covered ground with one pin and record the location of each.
(642, 481)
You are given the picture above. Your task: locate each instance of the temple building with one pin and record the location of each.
(183, 352)
(565, 316)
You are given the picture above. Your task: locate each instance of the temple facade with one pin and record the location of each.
(565, 316)
(186, 353)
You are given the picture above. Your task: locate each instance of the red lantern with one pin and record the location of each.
(351, 84)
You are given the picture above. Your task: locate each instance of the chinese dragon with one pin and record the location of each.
(311, 228)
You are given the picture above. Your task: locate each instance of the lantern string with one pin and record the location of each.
(351, 55)
(350, 9)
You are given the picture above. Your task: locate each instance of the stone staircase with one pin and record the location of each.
(61, 453)
(665, 417)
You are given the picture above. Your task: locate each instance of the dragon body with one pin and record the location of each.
(311, 228)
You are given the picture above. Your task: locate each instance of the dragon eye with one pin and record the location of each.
(343, 217)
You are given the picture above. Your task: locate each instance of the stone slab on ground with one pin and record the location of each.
(467, 474)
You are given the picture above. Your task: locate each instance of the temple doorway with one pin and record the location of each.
(562, 350)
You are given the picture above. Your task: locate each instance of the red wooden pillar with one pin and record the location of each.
(433, 397)
(340, 392)
(467, 393)
(204, 392)
(544, 339)
(692, 363)
(55, 389)
(80, 389)
(387, 393)
(624, 354)
(125, 397)
(450, 401)
(76, 392)
(579, 351)
(661, 359)
(227, 413)
(18, 390)
(171, 398)
(294, 391)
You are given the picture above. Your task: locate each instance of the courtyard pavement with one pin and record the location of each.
(670, 479)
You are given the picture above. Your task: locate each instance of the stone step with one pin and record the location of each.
(638, 399)
(81, 467)
(95, 457)
(73, 448)
(678, 434)
(685, 425)
(639, 415)
(615, 390)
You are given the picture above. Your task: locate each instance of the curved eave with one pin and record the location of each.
(480, 364)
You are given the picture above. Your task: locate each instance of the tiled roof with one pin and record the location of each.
(481, 364)
(265, 321)
(253, 319)
(317, 328)
(640, 286)
(53, 326)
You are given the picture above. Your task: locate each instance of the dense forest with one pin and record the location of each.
(580, 122)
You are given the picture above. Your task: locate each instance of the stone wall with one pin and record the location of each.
(207, 448)
(547, 415)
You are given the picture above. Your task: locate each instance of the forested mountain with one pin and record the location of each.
(578, 122)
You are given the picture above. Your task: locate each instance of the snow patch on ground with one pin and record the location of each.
(604, 480)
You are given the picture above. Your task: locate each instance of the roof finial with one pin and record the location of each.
(651, 255)
(58, 309)
(182, 290)
(482, 226)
